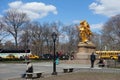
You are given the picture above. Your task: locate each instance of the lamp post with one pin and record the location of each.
(54, 36)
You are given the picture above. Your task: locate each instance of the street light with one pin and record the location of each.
(54, 36)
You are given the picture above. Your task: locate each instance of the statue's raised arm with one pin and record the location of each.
(84, 30)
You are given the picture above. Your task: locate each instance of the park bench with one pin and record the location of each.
(66, 70)
(101, 65)
(30, 75)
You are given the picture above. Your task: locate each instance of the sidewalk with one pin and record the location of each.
(77, 68)
(80, 75)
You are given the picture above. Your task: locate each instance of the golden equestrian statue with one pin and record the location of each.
(85, 31)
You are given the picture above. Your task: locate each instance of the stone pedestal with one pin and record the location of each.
(87, 47)
(84, 51)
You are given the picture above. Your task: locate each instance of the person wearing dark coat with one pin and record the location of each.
(92, 59)
(101, 63)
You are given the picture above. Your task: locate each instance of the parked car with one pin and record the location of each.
(10, 56)
(0, 58)
(64, 57)
(32, 56)
(47, 56)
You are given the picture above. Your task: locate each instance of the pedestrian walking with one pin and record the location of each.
(92, 59)
(57, 58)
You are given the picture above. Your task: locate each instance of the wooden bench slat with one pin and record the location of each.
(30, 75)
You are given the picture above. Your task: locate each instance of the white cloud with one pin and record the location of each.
(76, 21)
(34, 10)
(64, 38)
(96, 27)
(106, 7)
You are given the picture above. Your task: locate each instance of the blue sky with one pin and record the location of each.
(96, 12)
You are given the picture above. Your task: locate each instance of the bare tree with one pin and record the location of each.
(9, 45)
(97, 40)
(36, 38)
(3, 33)
(47, 37)
(25, 39)
(72, 38)
(14, 22)
(57, 27)
(111, 33)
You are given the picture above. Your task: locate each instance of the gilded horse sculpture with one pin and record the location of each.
(85, 32)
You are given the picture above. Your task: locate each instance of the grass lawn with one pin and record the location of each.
(84, 76)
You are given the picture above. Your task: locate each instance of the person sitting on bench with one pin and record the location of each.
(29, 69)
(101, 63)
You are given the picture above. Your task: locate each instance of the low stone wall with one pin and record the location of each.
(77, 62)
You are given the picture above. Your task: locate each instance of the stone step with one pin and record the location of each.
(75, 61)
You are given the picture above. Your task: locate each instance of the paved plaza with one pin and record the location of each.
(11, 71)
